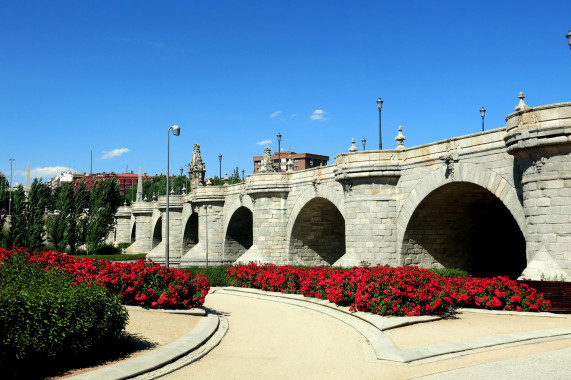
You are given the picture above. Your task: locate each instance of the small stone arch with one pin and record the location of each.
(157, 232)
(316, 228)
(190, 233)
(323, 191)
(238, 234)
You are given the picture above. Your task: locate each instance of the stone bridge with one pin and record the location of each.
(494, 203)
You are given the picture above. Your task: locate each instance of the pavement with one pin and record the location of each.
(250, 334)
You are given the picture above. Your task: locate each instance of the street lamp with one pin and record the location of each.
(243, 175)
(176, 132)
(220, 173)
(569, 38)
(483, 114)
(279, 152)
(364, 142)
(206, 207)
(380, 106)
(10, 203)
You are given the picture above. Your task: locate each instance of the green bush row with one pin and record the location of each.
(216, 275)
(44, 317)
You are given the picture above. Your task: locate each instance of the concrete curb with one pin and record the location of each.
(159, 357)
(371, 326)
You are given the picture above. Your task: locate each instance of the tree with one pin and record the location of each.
(18, 222)
(80, 218)
(235, 177)
(38, 198)
(103, 203)
(59, 226)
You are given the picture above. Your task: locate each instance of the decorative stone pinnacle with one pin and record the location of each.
(400, 139)
(521, 106)
(353, 147)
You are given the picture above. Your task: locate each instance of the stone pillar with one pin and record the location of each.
(269, 227)
(210, 227)
(370, 214)
(175, 232)
(540, 140)
(123, 225)
(143, 213)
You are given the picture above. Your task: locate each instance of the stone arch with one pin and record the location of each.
(190, 233)
(239, 233)
(323, 191)
(316, 228)
(157, 232)
(474, 222)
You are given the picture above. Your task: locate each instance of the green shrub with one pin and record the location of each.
(450, 272)
(44, 317)
(106, 249)
(121, 246)
(215, 275)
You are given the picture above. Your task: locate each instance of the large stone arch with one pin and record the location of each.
(460, 221)
(316, 227)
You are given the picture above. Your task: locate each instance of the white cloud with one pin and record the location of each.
(114, 153)
(46, 172)
(264, 142)
(292, 115)
(318, 115)
(275, 114)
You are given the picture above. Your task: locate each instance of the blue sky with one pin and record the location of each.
(111, 77)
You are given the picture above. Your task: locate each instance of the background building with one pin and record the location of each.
(300, 160)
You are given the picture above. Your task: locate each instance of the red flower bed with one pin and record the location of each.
(142, 283)
(386, 290)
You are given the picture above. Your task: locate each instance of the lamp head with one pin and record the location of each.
(379, 103)
(175, 130)
(482, 112)
(220, 156)
(569, 39)
(279, 137)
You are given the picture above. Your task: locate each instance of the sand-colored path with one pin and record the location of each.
(269, 340)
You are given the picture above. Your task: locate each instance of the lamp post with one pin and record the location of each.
(206, 207)
(364, 142)
(380, 106)
(569, 38)
(483, 114)
(176, 132)
(10, 188)
(243, 175)
(220, 172)
(279, 152)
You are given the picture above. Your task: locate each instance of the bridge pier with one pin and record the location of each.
(540, 140)
(143, 217)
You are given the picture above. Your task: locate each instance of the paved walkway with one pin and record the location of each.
(271, 340)
(249, 334)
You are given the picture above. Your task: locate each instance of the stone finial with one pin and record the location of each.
(139, 187)
(400, 139)
(289, 165)
(353, 147)
(267, 165)
(521, 106)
